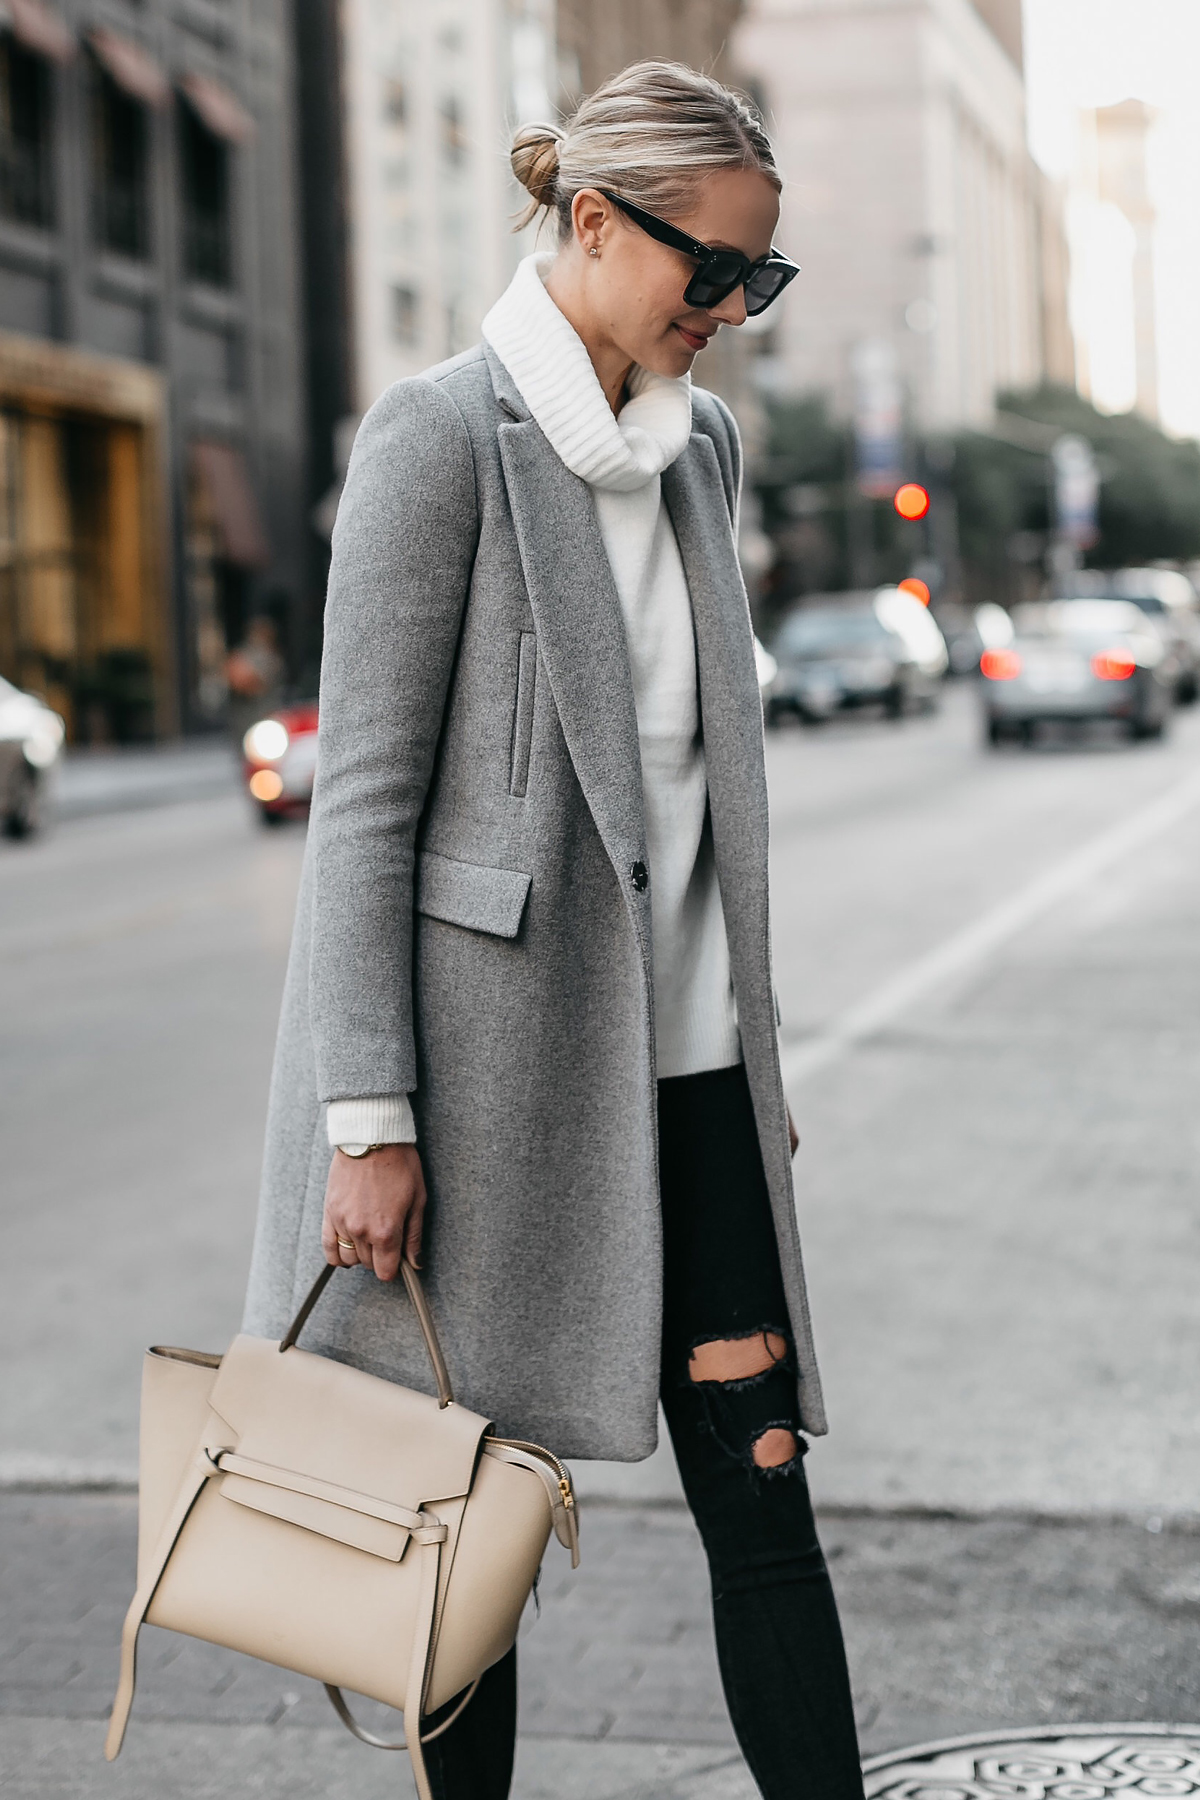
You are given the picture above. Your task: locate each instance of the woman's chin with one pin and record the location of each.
(672, 358)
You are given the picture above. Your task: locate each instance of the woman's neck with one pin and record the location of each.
(611, 363)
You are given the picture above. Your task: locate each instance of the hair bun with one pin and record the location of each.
(534, 157)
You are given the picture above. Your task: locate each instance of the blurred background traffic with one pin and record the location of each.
(224, 230)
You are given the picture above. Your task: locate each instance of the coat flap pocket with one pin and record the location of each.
(470, 894)
(378, 1537)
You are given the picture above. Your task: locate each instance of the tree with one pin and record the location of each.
(806, 486)
(1149, 495)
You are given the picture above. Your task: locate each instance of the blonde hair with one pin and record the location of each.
(650, 134)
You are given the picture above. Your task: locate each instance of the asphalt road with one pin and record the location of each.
(991, 992)
(997, 1173)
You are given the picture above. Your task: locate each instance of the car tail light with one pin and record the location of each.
(266, 784)
(266, 742)
(1000, 665)
(1113, 665)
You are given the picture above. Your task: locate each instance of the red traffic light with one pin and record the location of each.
(911, 500)
(912, 584)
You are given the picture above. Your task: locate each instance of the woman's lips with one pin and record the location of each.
(695, 340)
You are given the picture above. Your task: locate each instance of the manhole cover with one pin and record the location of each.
(1059, 1762)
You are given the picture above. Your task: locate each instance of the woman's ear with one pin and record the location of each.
(590, 213)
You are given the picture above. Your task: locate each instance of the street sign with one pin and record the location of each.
(1076, 492)
(878, 418)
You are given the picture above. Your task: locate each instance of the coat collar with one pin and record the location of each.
(581, 634)
(581, 637)
(508, 394)
(730, 704)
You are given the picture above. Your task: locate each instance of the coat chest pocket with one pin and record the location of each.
(522, 732)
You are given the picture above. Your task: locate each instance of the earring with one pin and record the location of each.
(594, 251)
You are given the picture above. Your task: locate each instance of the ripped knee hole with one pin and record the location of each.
(774, 1448)
(732, 1370)
(737, 1359)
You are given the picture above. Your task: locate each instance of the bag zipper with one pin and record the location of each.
(566, 1492)
(561, 1471)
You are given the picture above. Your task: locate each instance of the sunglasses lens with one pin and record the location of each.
(764, 286)
(715, 279)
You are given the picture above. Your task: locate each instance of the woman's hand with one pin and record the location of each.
(376, 1203)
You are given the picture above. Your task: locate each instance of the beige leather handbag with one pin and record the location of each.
(332, 1523)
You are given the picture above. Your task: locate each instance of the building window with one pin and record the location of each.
(406, 326)
(26, 194)
(395, 102)
(454, 133)
(204, 164)
(121, 170)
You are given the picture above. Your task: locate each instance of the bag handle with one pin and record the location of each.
(416, 1294)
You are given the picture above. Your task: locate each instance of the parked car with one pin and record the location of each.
(1168, 600)
(1077, 660)
(765, 666)
(280, 761)
(31, 741)
(969, 631)
(861, 649)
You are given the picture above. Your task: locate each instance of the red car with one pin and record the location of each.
(280, 760)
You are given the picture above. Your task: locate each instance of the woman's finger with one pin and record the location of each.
(412, 1234)
(329, 1242)
(344, 1247)
(386, 1252)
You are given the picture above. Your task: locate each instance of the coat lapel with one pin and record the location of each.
(581, 636)
(730, 708)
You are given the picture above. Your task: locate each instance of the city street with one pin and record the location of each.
(991, 1017)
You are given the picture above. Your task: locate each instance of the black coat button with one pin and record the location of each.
(640, 877)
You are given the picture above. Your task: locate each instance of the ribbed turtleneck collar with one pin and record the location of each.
(554, 375)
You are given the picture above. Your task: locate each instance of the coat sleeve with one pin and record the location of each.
(403, 548)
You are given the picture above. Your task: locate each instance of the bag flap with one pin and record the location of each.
(324, 1419)
(379, 1537)
(471, 894)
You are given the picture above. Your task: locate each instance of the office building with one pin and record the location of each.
(912, 203)
(151, 443)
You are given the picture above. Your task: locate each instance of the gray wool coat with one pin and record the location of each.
(469, 927)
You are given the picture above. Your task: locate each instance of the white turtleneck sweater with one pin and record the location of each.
(621, 458)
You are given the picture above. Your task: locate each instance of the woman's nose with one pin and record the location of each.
(732, 310)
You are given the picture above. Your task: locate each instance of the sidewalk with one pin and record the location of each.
(104, 781)
(952, 1626)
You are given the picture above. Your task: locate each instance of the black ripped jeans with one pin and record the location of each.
(779, 1642)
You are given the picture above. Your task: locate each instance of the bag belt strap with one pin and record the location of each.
(230, 1463)
(429, 1536)
(430, 1541)
(201, 1471)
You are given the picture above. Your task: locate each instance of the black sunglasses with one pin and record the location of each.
(720, 271)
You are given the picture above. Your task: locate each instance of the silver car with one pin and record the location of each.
(836, 652)
(31, 740)
(1169, 601)
(1078, 660)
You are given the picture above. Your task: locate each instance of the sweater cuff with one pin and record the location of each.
(378, 1119)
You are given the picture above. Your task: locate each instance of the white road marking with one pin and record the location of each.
(978, 940)
(28, 1469)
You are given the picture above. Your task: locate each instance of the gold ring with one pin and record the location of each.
(346, 1243)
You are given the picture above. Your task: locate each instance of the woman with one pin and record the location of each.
(529, 1032)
